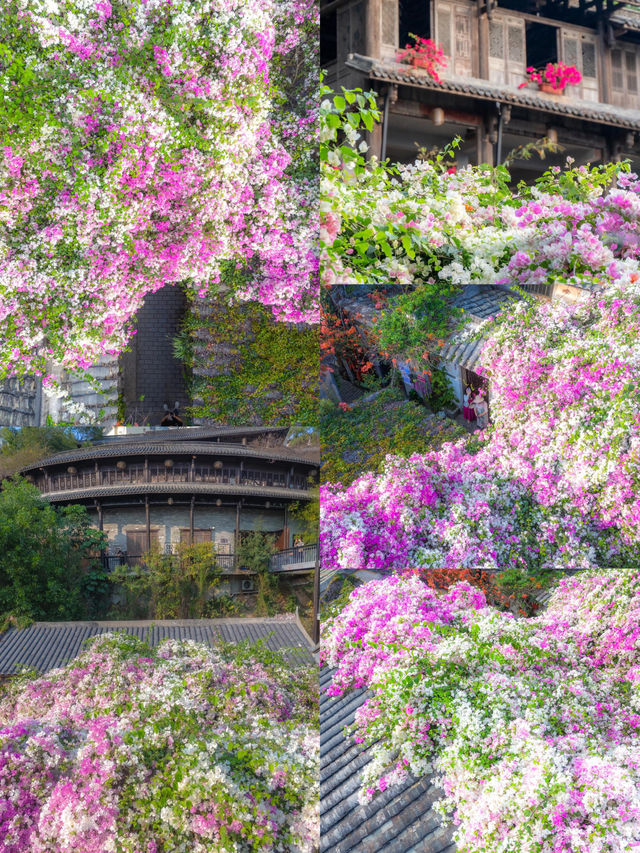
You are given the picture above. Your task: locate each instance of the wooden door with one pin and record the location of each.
(507, 50)
(137, 542)
(580, 50)
(200, 535)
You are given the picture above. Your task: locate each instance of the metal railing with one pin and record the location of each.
(301, 555)
(296, 556)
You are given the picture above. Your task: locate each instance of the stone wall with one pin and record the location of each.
(20, 402)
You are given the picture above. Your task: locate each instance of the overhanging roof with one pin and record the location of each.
(474, 87)
(171, 488)
(164, 448)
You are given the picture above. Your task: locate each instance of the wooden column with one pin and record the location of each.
(483, 42)
(237, 531)
(286, 527)
(191, 512)
(147, 473)
(100, 520)
(602, 64)
(148, 521)
(316, 603)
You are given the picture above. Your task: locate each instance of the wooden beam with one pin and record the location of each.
(416, 109)
(147, 517)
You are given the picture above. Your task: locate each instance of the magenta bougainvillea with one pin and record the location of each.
(180, 748)
(556, 480)
(147, 144)
(529, 725)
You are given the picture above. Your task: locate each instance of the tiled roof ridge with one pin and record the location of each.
(106, 451)
(394, 72)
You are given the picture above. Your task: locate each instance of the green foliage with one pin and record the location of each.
(576, 185)
(340, 116)
(259, 371)
(255, 551)
(308, 513)
(45, 554)
(24, 446)
(170, 586)
(332, 608)
(414, 321)
(357, 440)
(442, 396)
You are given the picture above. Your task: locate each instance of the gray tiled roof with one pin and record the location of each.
(400, 820)
(483, 300)
(47, 645)
(199, 433)
(201, 448)
(475, 87)
(173, 488)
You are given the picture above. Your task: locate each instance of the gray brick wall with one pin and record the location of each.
(149, 370)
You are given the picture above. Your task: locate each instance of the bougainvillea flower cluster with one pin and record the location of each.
(151, 143)
(556, 74)
(178, 748)
(529, 725)
(556, 480)
(423, 221)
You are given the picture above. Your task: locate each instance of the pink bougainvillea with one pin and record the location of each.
(159, 146)
(529, 725)
(556, 480)
(179, 748)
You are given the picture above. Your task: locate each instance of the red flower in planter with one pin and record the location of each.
(557, 76)
(425, 53)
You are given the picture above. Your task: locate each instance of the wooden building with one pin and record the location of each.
(488, 46)
(166, 487)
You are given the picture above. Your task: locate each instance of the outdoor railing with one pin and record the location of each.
(176, 473)
(293, 556)
(280, 561)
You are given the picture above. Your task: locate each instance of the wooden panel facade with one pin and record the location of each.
(498, 48)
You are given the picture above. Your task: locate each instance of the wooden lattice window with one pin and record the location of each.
(624, 77)
(454, 34)
(389, 28)
(507, 50)
(580, 51)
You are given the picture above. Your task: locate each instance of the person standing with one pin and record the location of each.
(467, 409)
(481, 409)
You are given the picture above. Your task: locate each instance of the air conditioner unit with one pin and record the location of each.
(247, 585)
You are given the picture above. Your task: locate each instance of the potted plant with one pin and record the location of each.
(424, 53)
(553, 78)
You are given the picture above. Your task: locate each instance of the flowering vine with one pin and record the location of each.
(150, 144)
(529, 725)
(183, 747)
